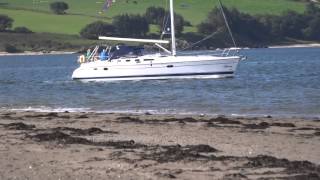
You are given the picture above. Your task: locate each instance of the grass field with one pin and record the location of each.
(35, 14)
(44, 22)
(45, 42)
(189, 8)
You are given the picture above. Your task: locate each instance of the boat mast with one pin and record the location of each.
(173, 38)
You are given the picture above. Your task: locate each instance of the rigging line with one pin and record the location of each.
(165, 21)
(164, 27)
(165, 16)
(227, 24)
(218, 31)
(198, 42)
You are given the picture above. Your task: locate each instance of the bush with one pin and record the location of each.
(11, 49)
(59, 7)
(131, 25)
(22, 30)
(96, 29)
(5, 22)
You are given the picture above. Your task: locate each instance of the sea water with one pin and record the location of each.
(277, 82)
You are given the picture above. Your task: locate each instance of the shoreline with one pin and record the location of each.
(65, 145)
(33, 53)
(312, 45)
(151, 112)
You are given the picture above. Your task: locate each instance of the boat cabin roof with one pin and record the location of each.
(125, 51)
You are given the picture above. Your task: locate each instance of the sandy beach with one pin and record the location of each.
(67, 145)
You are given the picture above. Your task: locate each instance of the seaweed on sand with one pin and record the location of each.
(83, 132)
(175, 153)
(64, 138)
(19, 126)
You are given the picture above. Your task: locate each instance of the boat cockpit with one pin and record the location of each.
(109, 53)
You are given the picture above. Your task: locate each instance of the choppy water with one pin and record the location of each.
(278, 82)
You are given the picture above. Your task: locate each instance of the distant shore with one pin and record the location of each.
(81, 145)
(31, 53)
(296, 46)
(26, 53)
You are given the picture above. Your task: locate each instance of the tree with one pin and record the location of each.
(312, 32)
(179, 23)
(312, 18)
(22, 30)
(96, 29)
(312, 9)
(59, 7)
(242, 25)
(5, 22)
(155, 15)
(160, 17)
(131, 25)
(292, 24)
(271, 24)
(263, 29)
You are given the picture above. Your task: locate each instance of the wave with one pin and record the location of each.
(162, 112)
(49, 109)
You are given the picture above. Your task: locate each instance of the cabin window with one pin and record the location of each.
(95, 68)
(169, 66)
(128, 60)
(105, 69)
(137, 60)
(148, 59)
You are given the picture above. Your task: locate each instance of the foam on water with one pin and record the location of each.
(49, 109)
(154, 112)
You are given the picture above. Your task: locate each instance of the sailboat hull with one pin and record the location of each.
(167, 67)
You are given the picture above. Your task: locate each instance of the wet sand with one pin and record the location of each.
(127, 146)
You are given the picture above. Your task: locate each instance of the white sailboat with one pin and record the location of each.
(128, 63)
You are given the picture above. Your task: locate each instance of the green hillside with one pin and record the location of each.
(35, 14)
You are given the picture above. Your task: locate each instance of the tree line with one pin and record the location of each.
(248, 30)
(264, 29)
(133, 25)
